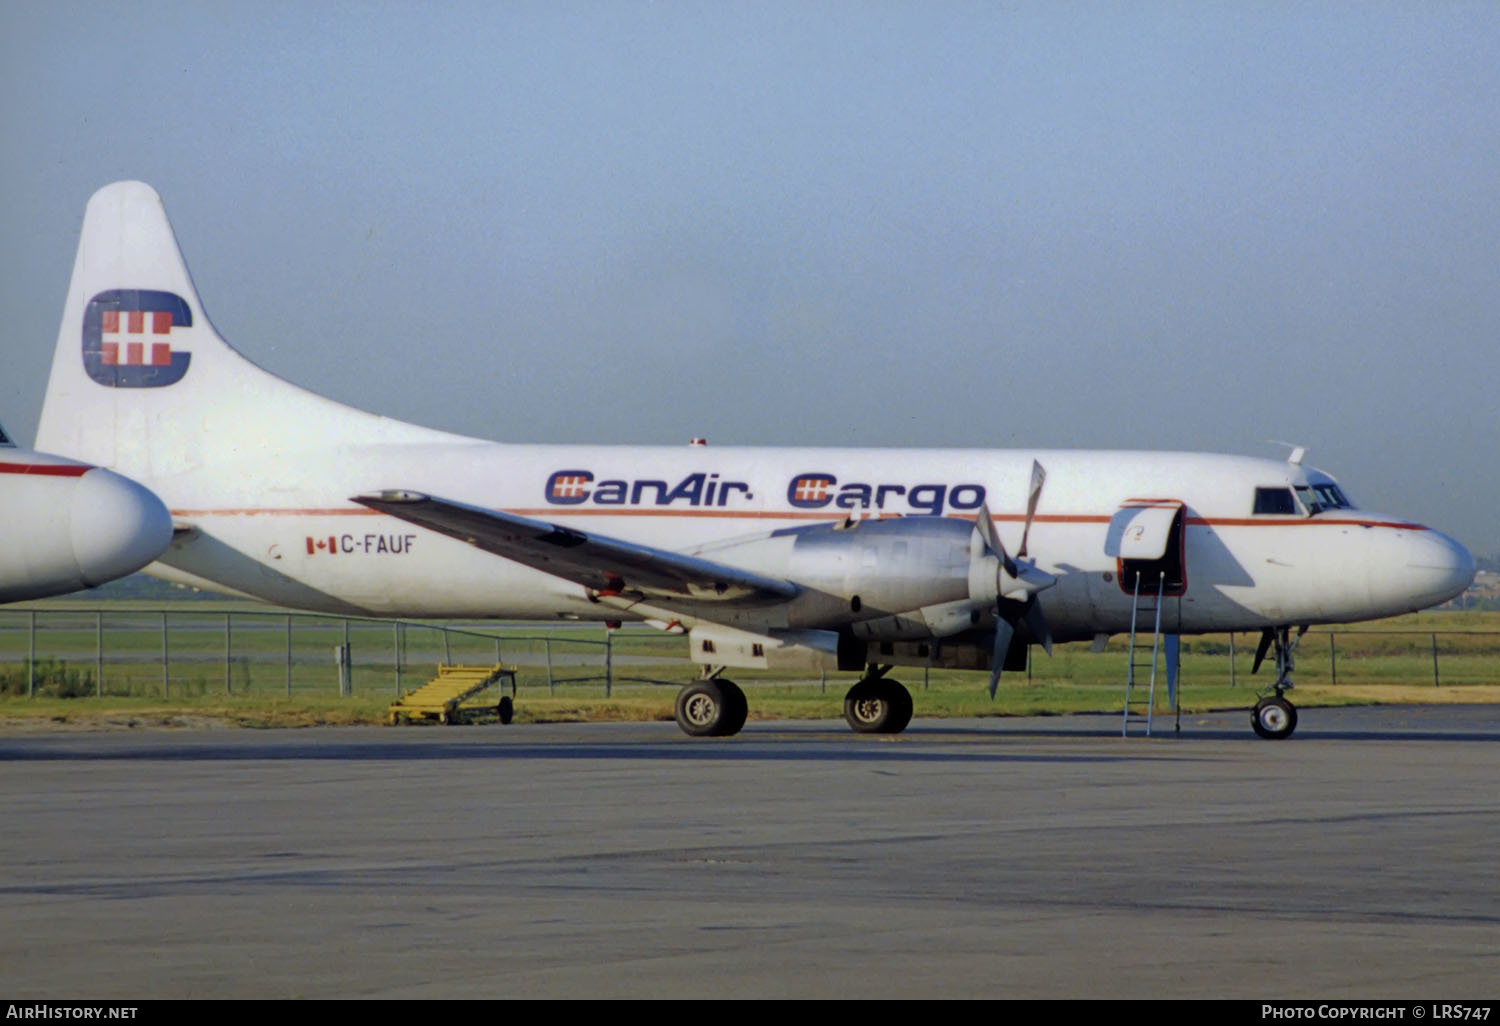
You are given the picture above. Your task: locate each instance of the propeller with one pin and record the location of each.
(1017, 580)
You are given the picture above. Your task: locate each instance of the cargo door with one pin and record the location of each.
(1147, 540)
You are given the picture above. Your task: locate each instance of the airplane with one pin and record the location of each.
(70, 526)
(843, 559)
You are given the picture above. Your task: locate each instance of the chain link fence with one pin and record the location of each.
(166, 653)
(163, 653)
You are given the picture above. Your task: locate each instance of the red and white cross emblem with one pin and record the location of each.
(123, 334)
(812, 489)
(568, 487)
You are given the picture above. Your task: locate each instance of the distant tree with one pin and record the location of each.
(139, 586)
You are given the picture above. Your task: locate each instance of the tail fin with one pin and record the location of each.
(143, 384)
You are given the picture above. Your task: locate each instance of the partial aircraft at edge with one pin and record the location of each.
(70, 526)
(841, 559)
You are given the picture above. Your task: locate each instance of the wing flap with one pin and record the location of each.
(606, 565)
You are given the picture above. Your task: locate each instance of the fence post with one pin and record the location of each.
(447, 655)
(166, 660)
(98, 653)
(289, 655)
(396, 652)
(1435, 663)
(31, 660)
(1231, 659)
(609, 662)
(1333, 659)
(228, 647)
(346, 678)
(548, 643)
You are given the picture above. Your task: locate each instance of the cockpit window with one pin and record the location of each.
(1309, 499)
(1331, 497)
(1321, 497)
(1274, 501)
(4, 438)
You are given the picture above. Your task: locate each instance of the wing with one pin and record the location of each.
(606, 565)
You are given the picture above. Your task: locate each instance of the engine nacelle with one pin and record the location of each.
(70, 526)
(898, 578)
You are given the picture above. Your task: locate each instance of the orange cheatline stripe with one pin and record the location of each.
(1403, 525)
(726, 514)
(273, 511)
(45, 469)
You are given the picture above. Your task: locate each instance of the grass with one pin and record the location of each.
(247, 679)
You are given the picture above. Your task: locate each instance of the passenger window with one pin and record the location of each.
(1274, 501)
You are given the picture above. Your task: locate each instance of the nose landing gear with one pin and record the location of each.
(1274, 717)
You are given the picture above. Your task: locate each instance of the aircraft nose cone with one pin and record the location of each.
(118, 526)
(1437, 567)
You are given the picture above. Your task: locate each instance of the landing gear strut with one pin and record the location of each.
(712, 707)
(1274, 717)
(877, 704)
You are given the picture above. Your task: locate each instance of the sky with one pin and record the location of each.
(1154, 225)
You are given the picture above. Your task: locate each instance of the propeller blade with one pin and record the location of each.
(985, 525)
(1029, 580)
(1034, 495)
(1036, 623)
(1004, 631)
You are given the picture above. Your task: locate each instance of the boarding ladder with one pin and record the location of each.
(443, 698)
(1148, 606)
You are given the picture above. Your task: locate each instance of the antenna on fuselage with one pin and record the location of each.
(1295, 456)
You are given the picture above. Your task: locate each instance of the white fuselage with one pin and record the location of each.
(312, 547)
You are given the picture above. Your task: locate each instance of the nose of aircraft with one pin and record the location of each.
(1437, 567)
(118, 526)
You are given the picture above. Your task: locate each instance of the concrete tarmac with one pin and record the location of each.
(973, 858)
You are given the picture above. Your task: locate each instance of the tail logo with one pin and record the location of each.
(128, 336)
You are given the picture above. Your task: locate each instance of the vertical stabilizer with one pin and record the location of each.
(143, 384)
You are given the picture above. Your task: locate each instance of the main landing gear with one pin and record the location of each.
(1274, 717)
(712, 707)
(877, 704)
(715, 707)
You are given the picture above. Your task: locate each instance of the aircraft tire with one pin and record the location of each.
(1274, 718)
(902, 711)
(706, 708)
(739, 708)
(506, 710)
(879, 706)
